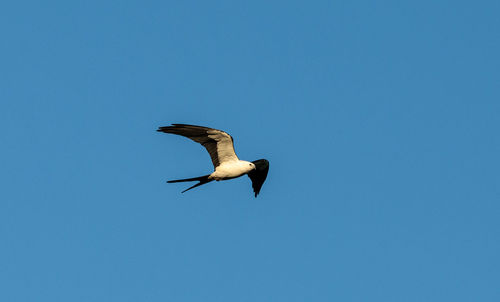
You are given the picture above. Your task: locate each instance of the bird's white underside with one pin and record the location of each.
(232, 169)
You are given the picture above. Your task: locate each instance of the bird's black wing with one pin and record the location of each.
(258, 176)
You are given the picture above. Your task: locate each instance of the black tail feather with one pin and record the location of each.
(202, 180)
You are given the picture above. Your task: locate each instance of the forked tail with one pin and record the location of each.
(202, 180)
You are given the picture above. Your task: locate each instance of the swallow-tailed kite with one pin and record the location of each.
(220, 146)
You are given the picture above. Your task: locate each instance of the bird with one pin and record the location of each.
(220, 146)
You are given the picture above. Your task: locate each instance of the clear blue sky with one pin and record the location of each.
(380, 120)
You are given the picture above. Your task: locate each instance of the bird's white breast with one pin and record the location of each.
(232, 169)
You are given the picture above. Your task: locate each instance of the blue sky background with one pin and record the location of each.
(380, 120)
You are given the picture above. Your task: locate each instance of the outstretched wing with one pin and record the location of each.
(258, 176)
(218, 143)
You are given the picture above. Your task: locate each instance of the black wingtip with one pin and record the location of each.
(259, 175)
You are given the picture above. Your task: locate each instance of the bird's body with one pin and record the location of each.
(220, 146)
(232, 169)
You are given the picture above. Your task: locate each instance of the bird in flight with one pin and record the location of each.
(220, 146)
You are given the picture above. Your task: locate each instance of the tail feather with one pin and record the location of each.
(202, 180)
